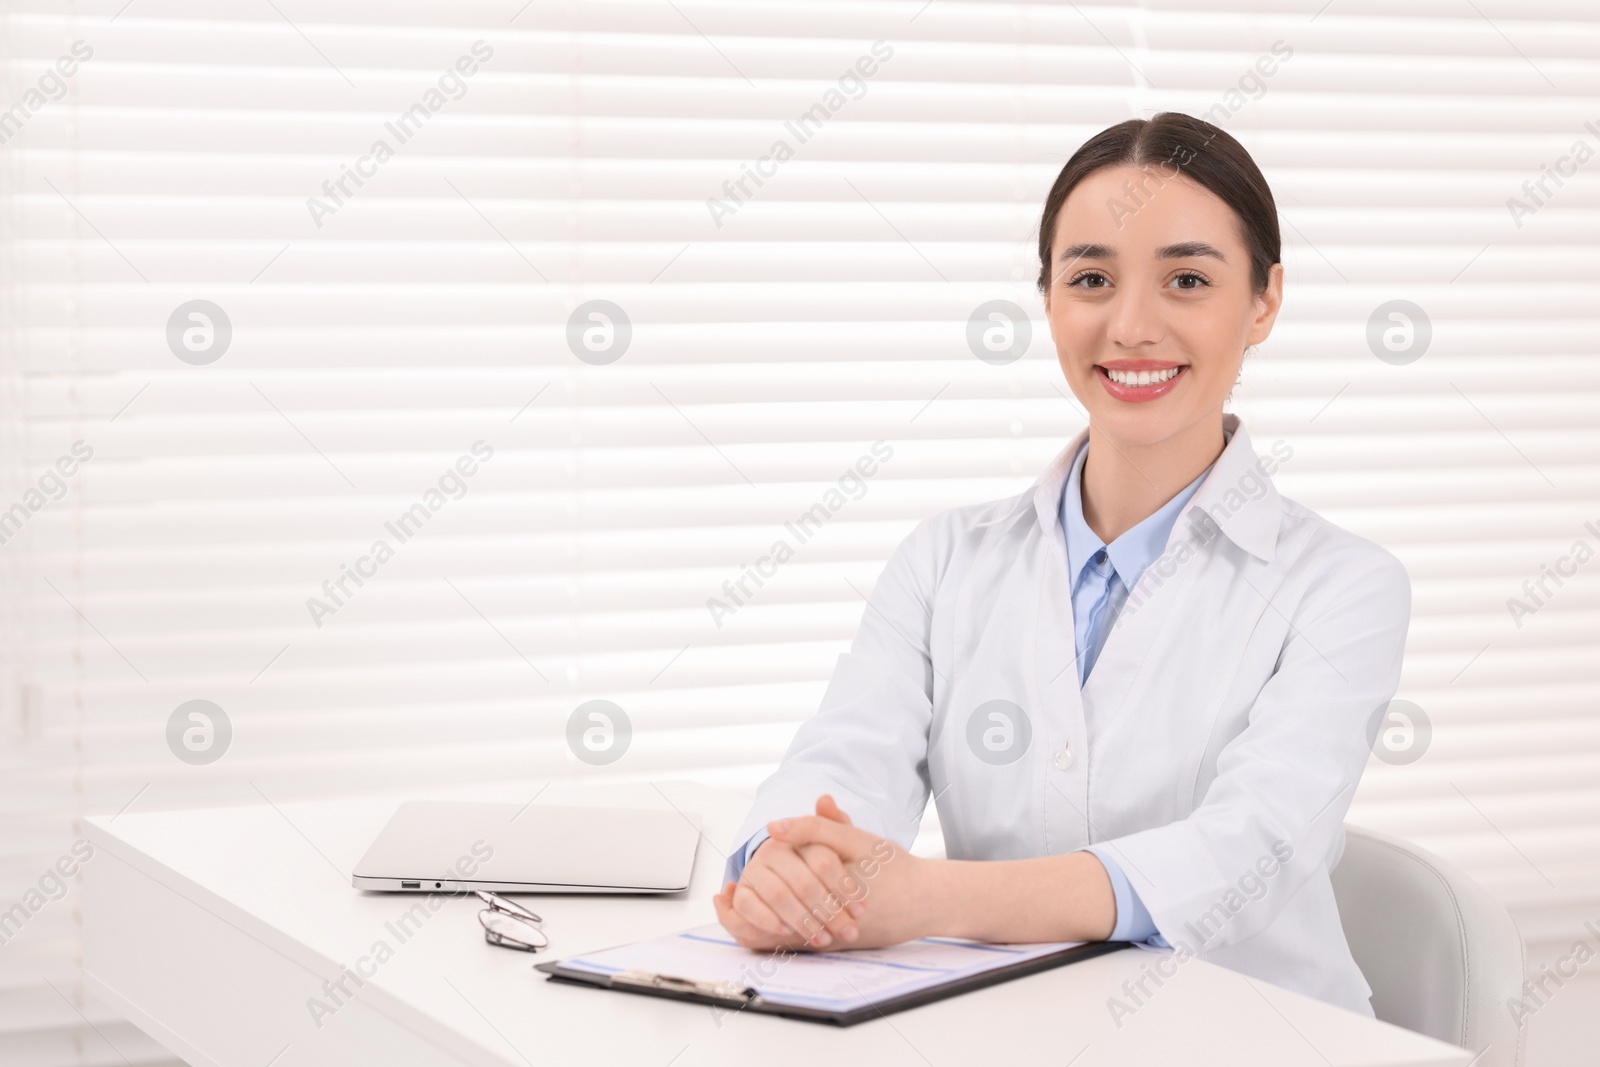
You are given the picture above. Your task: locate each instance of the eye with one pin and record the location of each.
(1189, 275)
(1089, 274)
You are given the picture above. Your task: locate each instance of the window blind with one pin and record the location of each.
(596, 316)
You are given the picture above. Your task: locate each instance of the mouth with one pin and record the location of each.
(1139, 380)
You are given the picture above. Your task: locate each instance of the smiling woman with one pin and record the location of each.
(1159, 265)
(1103, 773)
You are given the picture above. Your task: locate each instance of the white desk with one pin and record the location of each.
(213, 929)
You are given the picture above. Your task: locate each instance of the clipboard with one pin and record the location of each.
(738, 996)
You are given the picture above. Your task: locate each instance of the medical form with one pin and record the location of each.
(706, 961)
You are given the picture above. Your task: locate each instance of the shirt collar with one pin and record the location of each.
(1131, 552)
(1238, 497)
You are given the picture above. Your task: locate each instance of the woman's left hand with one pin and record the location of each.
(893, 885)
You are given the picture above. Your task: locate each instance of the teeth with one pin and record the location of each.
(1143, 377)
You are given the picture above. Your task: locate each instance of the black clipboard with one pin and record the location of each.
(724, 995)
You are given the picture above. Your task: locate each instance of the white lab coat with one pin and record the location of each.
(1215, 745)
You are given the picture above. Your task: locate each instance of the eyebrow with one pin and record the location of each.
(1181, 250)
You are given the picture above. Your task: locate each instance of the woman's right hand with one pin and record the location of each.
(794, 897)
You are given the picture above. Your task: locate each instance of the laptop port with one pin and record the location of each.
(410, 885)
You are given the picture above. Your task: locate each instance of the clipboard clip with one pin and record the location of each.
(728, 992)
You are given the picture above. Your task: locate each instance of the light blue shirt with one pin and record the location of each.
(741, 857)
(1101, 576)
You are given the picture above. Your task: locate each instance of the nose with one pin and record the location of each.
(1135, 320)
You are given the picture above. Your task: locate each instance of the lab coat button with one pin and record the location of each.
(1064, 758)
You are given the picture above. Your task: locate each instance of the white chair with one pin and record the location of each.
(1441, 955)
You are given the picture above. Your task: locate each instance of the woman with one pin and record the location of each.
(1140, 691)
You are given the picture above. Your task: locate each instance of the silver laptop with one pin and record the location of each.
(448, 846)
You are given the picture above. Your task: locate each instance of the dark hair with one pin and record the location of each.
(1193, 148)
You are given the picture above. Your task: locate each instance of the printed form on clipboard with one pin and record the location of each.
(705, 965)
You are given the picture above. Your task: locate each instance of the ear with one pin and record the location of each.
(1267, 306)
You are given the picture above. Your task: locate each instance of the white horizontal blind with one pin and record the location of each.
(382, 329)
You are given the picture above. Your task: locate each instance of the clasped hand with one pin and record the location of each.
(819, 882)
